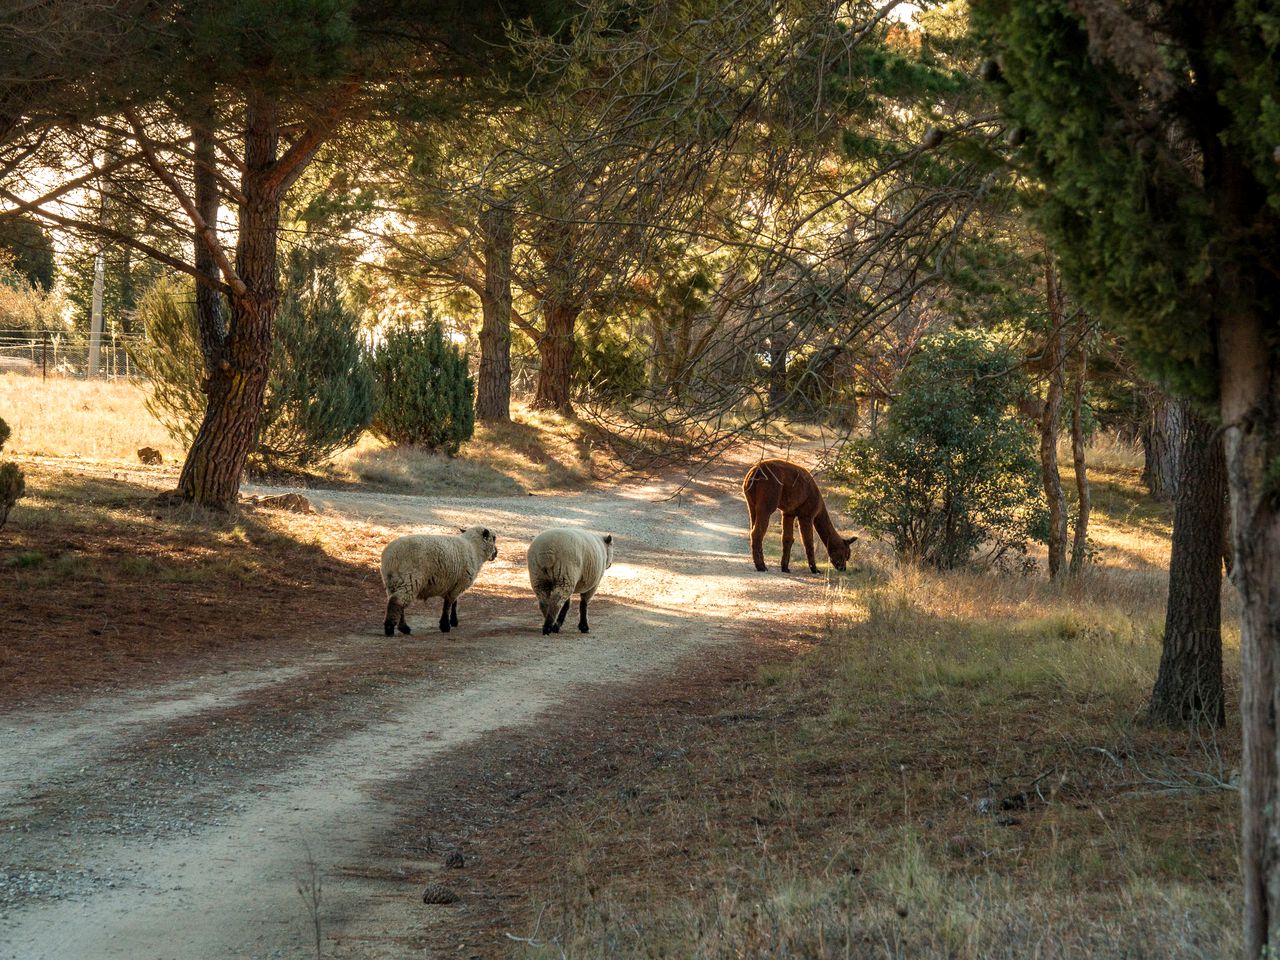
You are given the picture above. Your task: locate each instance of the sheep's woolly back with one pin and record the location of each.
(433, 565)
(565, 561)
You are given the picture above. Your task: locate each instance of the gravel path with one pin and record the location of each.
(181, 821)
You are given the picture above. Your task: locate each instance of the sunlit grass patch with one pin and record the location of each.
(81, 419)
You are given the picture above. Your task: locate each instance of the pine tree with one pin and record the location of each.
(1152, 132)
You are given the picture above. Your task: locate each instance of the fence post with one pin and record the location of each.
(44, 355)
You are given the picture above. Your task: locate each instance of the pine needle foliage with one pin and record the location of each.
(320, 394)
(426, 396)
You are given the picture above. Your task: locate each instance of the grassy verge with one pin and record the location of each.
(955, 766)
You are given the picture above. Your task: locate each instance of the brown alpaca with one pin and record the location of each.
(780, 485)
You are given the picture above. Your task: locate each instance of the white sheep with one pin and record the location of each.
(425, 565)
(563, 562)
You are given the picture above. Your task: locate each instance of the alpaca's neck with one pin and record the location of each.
(826, 529)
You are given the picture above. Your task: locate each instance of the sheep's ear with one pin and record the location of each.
(608, 538)
(485, 533)
(462, 529)
(849, 540)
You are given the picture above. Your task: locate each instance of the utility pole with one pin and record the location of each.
(95, 313)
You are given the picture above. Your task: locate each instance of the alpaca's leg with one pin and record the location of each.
(806, 537)
(761, 512)
(788, 538)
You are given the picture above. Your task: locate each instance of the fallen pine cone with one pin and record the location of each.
(438, 893)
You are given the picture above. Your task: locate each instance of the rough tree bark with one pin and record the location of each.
(211, 474)
(493, 392)
(1080, 535)
(1161, 445)
(1188, 688)
(1051, 422)
(555, 350)
(1250, 390)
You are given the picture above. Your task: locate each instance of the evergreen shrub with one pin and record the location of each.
(952, 477)
(12, 482)
(426, 395)
(320, 392)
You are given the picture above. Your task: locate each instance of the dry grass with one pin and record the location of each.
(98, 420)
(958, 767)
(538, 451)
(105, 422)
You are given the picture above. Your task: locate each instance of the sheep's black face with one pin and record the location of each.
(491, 539)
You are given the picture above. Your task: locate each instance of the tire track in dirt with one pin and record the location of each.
(227, 886)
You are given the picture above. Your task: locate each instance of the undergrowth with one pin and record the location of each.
(956, 767)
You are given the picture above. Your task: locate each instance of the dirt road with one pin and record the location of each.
(191, 820)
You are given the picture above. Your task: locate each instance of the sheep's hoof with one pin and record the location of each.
(389, 628)
(813, 569)
(762, 568)
(453, 621)
(555, 628)
(546, 629)
(404, 628)
(444, 626)
(785, 569)
(584, 628)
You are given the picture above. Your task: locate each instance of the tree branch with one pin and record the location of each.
(204, 231)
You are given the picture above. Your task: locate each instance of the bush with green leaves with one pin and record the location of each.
(12, 483)
(320, 393)
(952, 477)
(426, 396)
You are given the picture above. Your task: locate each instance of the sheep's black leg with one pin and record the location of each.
(564, 612)
(582, 616)
(444, 617)
(395, 612)
(402, 626)
(453, 614)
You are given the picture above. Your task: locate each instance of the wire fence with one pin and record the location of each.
(44, 353)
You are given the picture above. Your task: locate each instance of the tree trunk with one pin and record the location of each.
(1188, 687)
(211, 474)
(493, 392)
(210, 320)
(1161, 444)
(1080, 536)
(1051, 423)
(1250, 386)
(555, 373)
